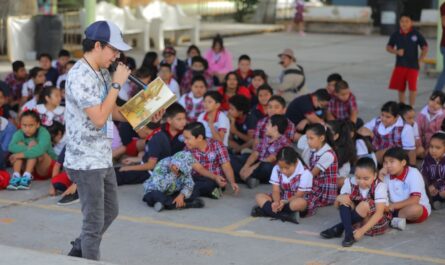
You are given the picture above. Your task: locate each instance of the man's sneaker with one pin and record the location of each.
(25, 183)
(14, 182)
(437, 205)
(69, 199)
(398, 223)
(293, 217)
(196, 203)
(252, 183)
(76, 250)
(331, 233)
(257, 212)
(216, 193)
(158, 206)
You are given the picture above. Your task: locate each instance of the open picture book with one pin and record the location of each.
(139, 109)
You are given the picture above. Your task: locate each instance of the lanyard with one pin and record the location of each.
(100, 80)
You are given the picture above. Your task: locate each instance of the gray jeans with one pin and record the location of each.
(97, 190)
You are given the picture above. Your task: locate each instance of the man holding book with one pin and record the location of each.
(91, 94)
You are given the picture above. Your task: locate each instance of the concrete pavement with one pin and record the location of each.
(223, 232)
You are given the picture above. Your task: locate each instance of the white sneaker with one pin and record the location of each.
(398, 223)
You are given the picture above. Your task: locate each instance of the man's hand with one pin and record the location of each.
(121, 74)
(400, 52)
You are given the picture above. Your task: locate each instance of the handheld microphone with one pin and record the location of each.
(132, 78)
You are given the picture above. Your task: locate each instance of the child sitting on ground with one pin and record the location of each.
(430, 118)
(239, 139)
(49, 107)
(342, 105)
(171, 184)
(390, 130)
(31, 149)
(433, 169)
(193, 101)
(166, 74)
(322, 161)
(291, 188)
(259, 110)
(361, 202)
(259, 78)
(15, 81)
(409, 116)
(37, 77)
(212, 170)
(408, 200)
(216, 123)
(261, 161)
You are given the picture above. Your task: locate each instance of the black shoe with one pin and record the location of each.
(76, 250)
(252, 183)
(331, 233)
(257, 212)
(69, 199)
(348, 242)
(196, 203)
(290, 217)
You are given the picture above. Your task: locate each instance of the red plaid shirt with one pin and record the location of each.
(267, 148)
(342, 110)
(15, 85)
(186, 82)
(260, 131)
(189, 107)
(212, 158)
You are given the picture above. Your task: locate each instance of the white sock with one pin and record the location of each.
(27, 174)
(16, 174)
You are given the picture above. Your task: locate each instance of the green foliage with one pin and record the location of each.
(243, 8)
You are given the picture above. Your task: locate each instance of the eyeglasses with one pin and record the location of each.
(114, 50)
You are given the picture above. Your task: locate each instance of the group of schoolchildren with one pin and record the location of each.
(229, 127)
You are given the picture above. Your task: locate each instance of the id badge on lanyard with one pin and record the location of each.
(108, 128)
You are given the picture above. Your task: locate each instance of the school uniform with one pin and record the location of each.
(29, 87)
(406, 70)
(221, 123)
(377, 193)
(399, 134)
(434, 172)
(157, 146)
(260, 131)
(193, 106)
(241, 125)
(300, 180)
(15, 85)
(174, 87)
(408, 183)
(429, 124)
(255, 115)
(266, 148)
(176, 141)
(324, 188)
(363, 151)
(212, 158)
(242, 91)
(245, 81)
(47, 117)
(61, 182)
(342, 110)
(300, 107)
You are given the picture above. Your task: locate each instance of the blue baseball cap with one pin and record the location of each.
(108, 32)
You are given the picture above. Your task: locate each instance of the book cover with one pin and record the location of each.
(140, 108)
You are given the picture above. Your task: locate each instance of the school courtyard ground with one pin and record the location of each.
(34, 230)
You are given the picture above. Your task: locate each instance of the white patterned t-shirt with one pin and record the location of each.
(87, 147)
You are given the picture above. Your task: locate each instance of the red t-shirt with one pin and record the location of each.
(442, 14)
(243, 91)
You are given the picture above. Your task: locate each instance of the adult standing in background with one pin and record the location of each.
(292, 79)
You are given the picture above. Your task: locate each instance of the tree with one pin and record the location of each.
(243, 8)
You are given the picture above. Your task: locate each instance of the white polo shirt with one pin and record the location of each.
(411, 184)
(221, 123)
(325, 160)
(305, 177)
(380, 194)
(408, 141)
